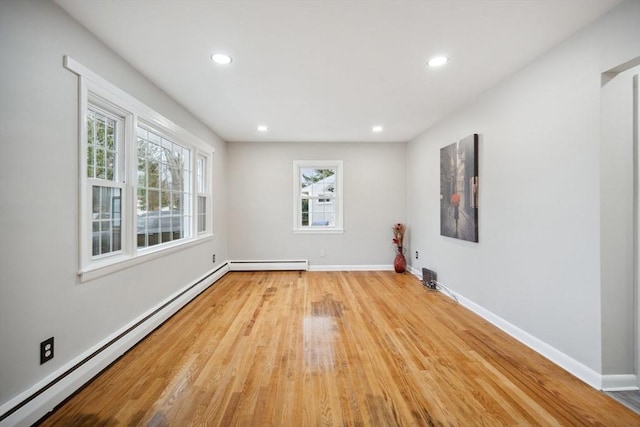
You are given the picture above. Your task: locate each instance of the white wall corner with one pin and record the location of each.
(415, 271)
(619, 382)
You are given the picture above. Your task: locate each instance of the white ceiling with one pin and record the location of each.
(329, 70)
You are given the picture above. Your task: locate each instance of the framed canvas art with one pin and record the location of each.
(459, 189)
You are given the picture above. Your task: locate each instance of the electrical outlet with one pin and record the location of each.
(416, 254)
(46, 350)
(321, 252)
(213, 258)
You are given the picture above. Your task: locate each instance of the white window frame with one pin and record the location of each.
(94, 90)
(87, 183)
(206, 193)
(338, 227)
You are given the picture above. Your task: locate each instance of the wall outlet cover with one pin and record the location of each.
(46, 350)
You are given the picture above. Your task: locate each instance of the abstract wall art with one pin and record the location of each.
(459, 189)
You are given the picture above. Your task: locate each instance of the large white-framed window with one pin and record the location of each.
(317, 196)
(144, 181)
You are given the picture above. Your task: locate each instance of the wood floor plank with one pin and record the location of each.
(333, 349)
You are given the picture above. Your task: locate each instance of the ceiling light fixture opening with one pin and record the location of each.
(221, 58)
(437, 61)
(376, 129)
(262, 128)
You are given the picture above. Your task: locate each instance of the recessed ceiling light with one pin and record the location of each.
(376, 129)
(437, 61)
(221, 58)
(262, 128)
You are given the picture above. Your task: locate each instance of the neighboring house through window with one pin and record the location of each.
(317, 196)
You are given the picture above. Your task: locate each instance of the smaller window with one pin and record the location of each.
(203, 194)
(317, 196)
(104, 174)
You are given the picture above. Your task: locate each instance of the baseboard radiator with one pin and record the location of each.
(34, 403)
(273, 265)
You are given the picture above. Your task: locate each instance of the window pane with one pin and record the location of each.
(202, 214)
(91, 158)
(111, 135)
(202, 173)
(111, 165)
(102, 145)
(154, 174)
(176, 178)
(154, 152)
(142, 172)
(305, 212)
(321, 213)
(177, 202)
(106, 220)
(165, 201)
(153, 201)
(317, 179)
(163, 215)
(317, 195)
(177, 155)
(99, 137)
(165, 177)
(91, 120)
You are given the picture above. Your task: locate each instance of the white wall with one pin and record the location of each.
(537, 264)
(261, 202)
(616, 223)
(40, 295)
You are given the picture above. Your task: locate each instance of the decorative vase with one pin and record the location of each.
(400, 262)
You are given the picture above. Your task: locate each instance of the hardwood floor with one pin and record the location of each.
(630, 399)
(334, 349)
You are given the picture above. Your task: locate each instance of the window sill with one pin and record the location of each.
(121, 262)
(318, 231)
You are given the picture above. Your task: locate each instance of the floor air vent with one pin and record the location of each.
(429, 278)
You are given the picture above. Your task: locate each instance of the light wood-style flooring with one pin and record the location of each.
(333, 349)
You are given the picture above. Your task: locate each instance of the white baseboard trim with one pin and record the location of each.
(35, 402)
(301, 265)
(351, 268)
(414, 271)
(269, 265)
(569, 364)
(619, 382)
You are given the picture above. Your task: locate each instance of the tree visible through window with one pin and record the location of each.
(103, 173)
(139, 194)
(318, 196)
(164, 173)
